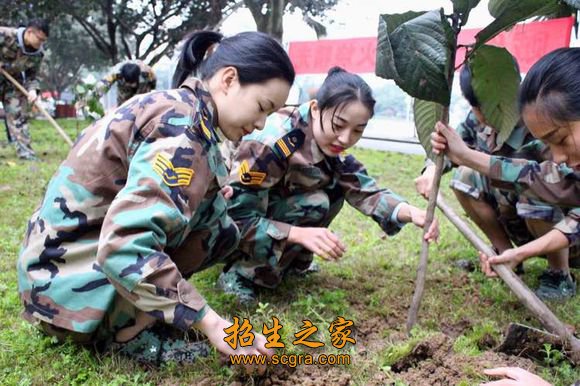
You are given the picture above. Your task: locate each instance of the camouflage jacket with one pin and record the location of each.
(484, 138)
(284, 160)
(119, 214)
(147, 82)
(14, 59)
(550, 182)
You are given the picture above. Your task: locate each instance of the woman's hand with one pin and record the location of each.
(410, 213)
(320, 241)
(32, 96)
(212, 325)
(515, 377)
(511, 257)
(446, 140)
(227, 191)
(424, 182)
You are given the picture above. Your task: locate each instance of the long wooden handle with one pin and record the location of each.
(522, 292)
(39, 106)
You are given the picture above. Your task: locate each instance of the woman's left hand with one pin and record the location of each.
(514, 376)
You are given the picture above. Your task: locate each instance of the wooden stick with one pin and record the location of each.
(439, 161)
(424, 257)
(522, 292)
(39, 106)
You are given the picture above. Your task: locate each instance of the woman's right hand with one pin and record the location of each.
(512, 257)
(213, 325)
(446, 140)
(320, 241)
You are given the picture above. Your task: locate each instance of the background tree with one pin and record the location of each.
(143, 29)
(69, 53)
(268, 14)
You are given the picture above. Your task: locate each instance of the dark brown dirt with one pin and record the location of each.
(433, 362)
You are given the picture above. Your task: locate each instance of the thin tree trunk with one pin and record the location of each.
(439, 161)
(424, 257)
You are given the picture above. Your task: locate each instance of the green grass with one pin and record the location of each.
(372, 285)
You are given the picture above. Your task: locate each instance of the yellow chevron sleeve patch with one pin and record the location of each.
(248, 177)
(171, 175)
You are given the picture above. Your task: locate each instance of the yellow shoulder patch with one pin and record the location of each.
(248, 177)
(171, 175)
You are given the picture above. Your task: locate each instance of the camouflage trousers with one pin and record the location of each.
(16, 120)
(310, 209)
(134, 333)
(512, 209)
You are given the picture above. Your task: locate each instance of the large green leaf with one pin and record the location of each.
(414, 49)
(385, 62)
(426, 114)
(495, 81)
(509, 12)
(463, 8)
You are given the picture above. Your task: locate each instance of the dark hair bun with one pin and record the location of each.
(335, 70)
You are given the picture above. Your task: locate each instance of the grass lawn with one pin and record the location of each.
(463, 315)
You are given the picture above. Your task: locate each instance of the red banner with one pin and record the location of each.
(527, 42)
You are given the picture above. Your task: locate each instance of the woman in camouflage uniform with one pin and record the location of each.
(136, 208)
(132, 78)
(504, 216)
(291, 179)
(550, 106)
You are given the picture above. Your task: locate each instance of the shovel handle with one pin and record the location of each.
(522, 292)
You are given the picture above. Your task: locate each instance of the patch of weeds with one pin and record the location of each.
(400, 350)
(564, 374)
(481, 337)
(553, 357)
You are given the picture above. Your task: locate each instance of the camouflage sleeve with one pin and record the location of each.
(3, 61)
(31, 82)
(467, 130)
(570, 226)
(255, 169)
(105, 84)
(146, 218)
(547, 181)
(362, 192)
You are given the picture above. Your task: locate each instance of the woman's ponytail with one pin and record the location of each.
(193, 53)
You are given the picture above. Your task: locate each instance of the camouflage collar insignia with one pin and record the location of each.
(171, 175)
(248, 177)
(206, 124)
(289, 143)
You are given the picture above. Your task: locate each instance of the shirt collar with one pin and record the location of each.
(206, 109)
(20, 37)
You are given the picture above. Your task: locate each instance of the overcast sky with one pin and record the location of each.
(353, 18)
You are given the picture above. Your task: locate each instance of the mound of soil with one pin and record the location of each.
(433, 362)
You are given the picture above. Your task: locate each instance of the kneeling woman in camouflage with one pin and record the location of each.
(550, 106)
(290, 181)
(136, 208)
